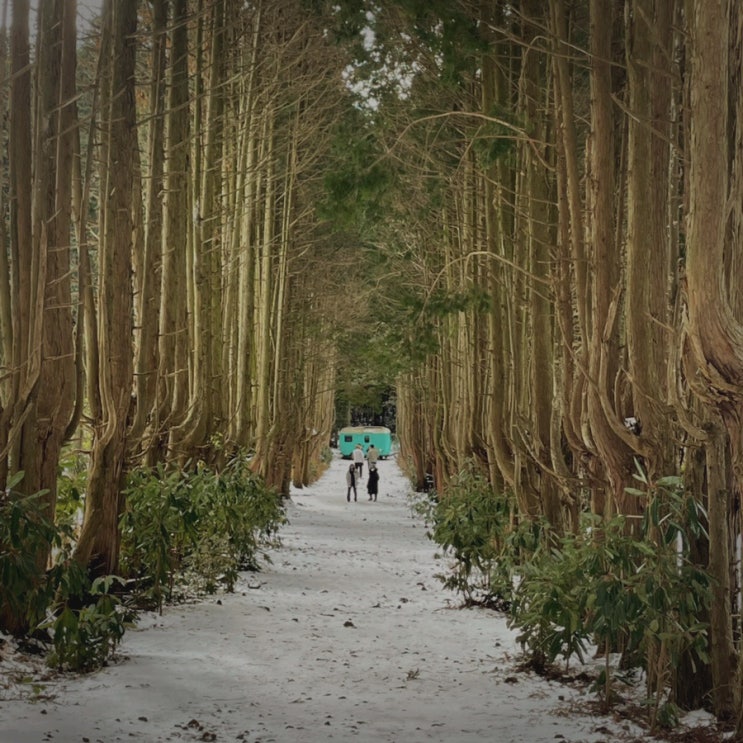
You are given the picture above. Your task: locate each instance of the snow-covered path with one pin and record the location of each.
(347, 636)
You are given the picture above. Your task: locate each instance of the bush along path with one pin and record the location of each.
(346, 635)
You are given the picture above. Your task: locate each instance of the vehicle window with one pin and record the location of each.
(348, 438)
(366, 439)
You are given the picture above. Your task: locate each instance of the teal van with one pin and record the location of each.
(380, 436)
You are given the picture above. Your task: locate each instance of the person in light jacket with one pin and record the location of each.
(372, 455)
(351, 482)
(358, 460)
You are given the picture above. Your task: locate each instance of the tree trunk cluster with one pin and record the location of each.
(587, 171)
(163, 295)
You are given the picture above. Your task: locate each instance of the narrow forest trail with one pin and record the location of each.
(346, 636)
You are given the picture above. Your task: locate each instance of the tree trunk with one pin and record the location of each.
(540, 330)
(24, 336)
(498, 225)
(98, 545)
(148, 308)
(572, 280)
(6, 312)
(648, 305)
(722, 646)
(174, 336)
(607, 430)
(716, 335)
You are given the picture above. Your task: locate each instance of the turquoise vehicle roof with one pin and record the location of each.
(364, 429)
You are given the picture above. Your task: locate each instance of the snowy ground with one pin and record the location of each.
(347, 636)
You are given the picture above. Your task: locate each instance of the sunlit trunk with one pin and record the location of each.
(98, 545)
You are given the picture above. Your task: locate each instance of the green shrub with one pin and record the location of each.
(25, 533)
(549, 603)
(244, 510)
(620, 587)
(573, 591)
(83, 621)
(210, 565)
(197, 526)
(471, 522)
(87, 621)
(675, 593)
(156, 526)
(518, 547)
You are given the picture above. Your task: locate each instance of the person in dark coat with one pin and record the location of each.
(351, 482)
(372, 483)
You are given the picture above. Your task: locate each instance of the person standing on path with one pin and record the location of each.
(351, 482)
(372, 455)
(358, 460)
(372, 483)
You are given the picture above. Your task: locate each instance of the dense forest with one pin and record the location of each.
(222, 221)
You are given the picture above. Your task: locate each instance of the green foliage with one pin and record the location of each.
(452, 32)
(348, 17)
(236, 515)
(358, 185)
(442, 303)
(622, 583)
(25, 533)
(199, 526)
(549, 604)
(448, 31)
(666, 715)
(618, 586)
(84, 621)
(470, 522)
(87, 621)
(156, 523)
(366, 371)
(495, 140)
(415, 335)
(71, 486)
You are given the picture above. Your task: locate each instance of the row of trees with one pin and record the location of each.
(567, 255)
(547, 202)
(164, 275)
